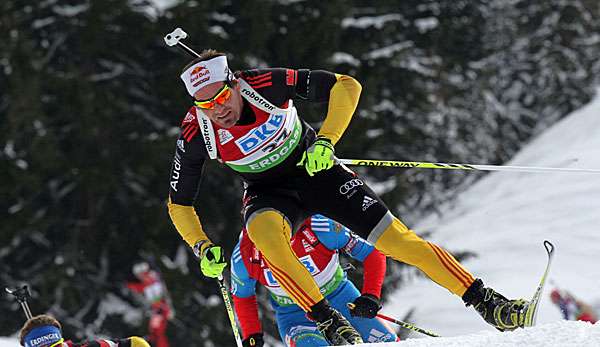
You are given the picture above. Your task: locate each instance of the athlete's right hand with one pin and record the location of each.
(319, 156)
(212, 259)
(254, 340)
(366, 306)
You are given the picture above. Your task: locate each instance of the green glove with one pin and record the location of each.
(319, 156)
(212, 261)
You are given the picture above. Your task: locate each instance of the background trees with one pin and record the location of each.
(90, 102)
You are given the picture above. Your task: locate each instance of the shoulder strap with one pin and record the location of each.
(208, 133)
(258, 100)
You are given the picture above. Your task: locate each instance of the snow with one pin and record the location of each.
(154, 8)
(70, 11)
(388, 51)
(372, 21)
(163, 5)
(505, 217)
(344, 58)
(9, 342)
(426, 24)
(559, 334)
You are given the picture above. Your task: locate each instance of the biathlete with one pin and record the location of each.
(45, 331)
(248, 122)
(318, 244)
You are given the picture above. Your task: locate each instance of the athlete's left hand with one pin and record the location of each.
(213, 261)
(366, 306)
(319, 156)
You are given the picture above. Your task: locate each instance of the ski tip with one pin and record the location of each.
(549, 246)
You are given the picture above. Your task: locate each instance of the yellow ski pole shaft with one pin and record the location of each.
(230, 312)
(450, 166)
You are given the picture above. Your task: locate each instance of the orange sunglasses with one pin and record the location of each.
(220, 98)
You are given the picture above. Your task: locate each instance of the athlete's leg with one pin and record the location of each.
(270, 230)
(297, 331)
(268, 215)
(271, 233)
(394, 239)
(343, 196)
(371, 330)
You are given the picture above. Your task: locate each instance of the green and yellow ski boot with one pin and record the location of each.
(333, 326)
(496, 310)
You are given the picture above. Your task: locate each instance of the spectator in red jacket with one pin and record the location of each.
(572, 308)
(150, 284)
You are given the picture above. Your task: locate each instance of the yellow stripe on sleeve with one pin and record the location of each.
(187, 223)
(343, 99)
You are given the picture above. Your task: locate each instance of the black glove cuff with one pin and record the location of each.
(198, 248)
(372, 297)
(322, 137)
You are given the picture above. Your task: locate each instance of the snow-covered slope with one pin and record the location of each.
(557, 334)
(9, 342)
(505, 217)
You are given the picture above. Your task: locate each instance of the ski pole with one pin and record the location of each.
(401, 323)
(21, 294)
(450, 166)
(230, 313)
(174, 39)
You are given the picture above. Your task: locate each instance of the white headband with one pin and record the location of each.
(205, 72)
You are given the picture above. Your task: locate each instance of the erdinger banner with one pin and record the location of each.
(204, 73)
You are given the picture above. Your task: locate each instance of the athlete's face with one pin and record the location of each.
(225, 112)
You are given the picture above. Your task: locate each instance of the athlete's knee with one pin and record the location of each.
(268, 227)
(397, 238)
(388, 226)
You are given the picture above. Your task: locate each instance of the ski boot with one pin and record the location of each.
(333, 326)
(496, 310)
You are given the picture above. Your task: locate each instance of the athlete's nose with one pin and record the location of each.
(219, 108)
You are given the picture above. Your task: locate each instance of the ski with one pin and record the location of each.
(531, 312)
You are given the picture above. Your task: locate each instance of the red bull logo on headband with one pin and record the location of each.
(205, 72)
(197, 74)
